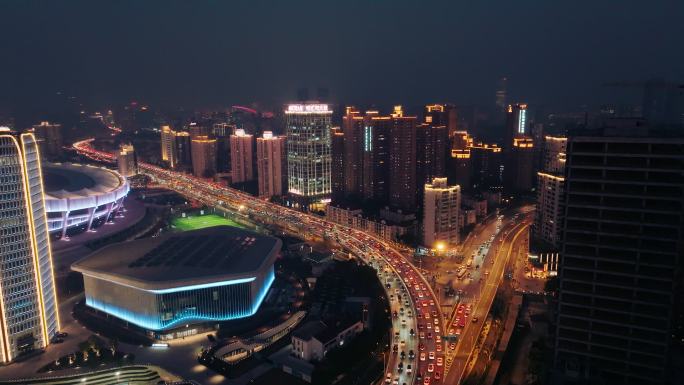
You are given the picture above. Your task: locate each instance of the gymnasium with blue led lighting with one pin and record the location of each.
(172, 281)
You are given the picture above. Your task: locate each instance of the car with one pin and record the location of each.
(474, 320)
(440, 361)
(396, 381)
(403, 354)
(411, 355)
(436, 321)
(395, 349)
(400, 367)
(427, 315)
(422, 356)
(438, 338)
(421, 346)
(421, 335)
(429, 336)
(431, 355)
(57, 340)
(426, 380)
(436, 329)
(62, 334)
(421, 326)
(438, 347)
(412, 332)
(429, 325)
(437, 376)
(388, 379)
(431, 368)
(452, 346)
(434, 313)
(408, 369)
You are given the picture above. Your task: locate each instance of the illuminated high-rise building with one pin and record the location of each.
(376, 156)
(441, 205)
(516, 123)
(442, 115)
(459, 165)
(126, 160)
(271, 165)
(308, 153)
(550, 190)
(168, 145)
(49, 137)
(431, 151)
(183, 150)
(203, 156)
(519, 168)
(366, 154)
(337, 166)
(353, 128)
(402, 156)
(28, 303)
(242, 156)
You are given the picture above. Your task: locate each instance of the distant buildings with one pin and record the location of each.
(520, 150)
(620, 315)
(431, 152)
(28, 297)
(203, 156)
(50, 140)
(242, 156)
(366, 155)
(308, 153)
(402, 161)
(519, 168)
(353, 217)
(550, 190)
(516, 123)
(271, 165)
(126, 161)
(175, 147)
(440, 214)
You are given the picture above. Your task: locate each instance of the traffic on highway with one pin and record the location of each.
(417, 351)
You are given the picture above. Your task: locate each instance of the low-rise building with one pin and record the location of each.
(354, 218)
(315, 339)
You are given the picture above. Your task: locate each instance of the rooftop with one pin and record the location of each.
(66, 180)
(182, 259)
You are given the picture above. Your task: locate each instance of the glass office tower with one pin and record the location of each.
(308, 153)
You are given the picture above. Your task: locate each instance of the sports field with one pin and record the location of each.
(202, 221)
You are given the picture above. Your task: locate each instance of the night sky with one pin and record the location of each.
(217, 53)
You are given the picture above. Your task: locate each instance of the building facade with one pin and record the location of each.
(27, 291)
(402, 161)
(241, 156)
(550, 189)
(440, 214)
(126, 161)
(337, 164)
(620, 310)
(308, 153)
(516, 123)
(203, 154)
(271, 165)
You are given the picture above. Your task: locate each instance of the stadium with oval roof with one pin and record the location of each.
(81, 195)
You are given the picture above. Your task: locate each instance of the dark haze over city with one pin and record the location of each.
(174, 54)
